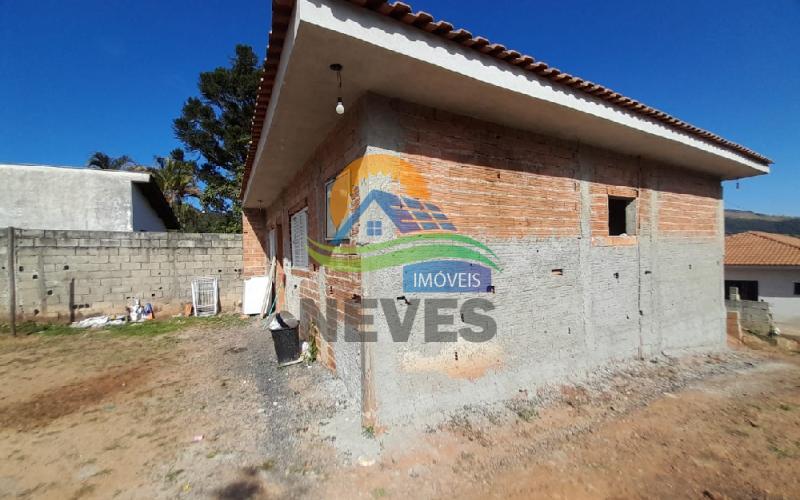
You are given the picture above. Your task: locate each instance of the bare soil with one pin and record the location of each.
(205, 413)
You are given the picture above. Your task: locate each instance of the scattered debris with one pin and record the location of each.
(148, 311)
(135, 310)
(93, 322)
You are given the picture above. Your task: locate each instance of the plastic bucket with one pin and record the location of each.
(286, 338)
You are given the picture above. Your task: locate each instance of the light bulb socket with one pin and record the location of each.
(339, 104)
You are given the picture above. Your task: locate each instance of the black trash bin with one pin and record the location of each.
(285, 336)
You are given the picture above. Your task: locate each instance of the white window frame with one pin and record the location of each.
(298, 233)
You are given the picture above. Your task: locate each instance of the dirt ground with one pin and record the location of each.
(205, 413)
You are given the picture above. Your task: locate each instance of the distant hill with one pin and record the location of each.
(739, 221)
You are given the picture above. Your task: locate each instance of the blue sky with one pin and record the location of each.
(81, 76)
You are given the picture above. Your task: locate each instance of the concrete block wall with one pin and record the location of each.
(570, 296)
(754, 316)
(776, 287)
(66, 275)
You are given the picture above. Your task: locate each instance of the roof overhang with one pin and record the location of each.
(384, 56)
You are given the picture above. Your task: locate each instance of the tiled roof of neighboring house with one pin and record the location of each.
(755, 248)
(282, 12)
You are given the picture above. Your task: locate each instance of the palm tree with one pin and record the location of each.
(175, 176)
(102, 161)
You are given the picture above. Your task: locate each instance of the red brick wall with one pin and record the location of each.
(688, 204)
(733, 328)
(343, 145)
(254, 243)
(500, 182)
(492, 180)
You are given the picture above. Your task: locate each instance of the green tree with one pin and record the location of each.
(176, 177)
(217, 126)
(102, 161)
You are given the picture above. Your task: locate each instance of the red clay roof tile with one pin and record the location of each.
(281, 13)
(756, 248)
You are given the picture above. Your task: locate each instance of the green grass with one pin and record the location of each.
(173, 474)
(31, 327)
(527, 414)
(144, 329)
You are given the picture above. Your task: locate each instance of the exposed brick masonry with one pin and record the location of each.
(344, 145)
(499, 182)
(254, 242)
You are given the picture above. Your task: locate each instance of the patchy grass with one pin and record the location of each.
(143, 329)
(173, 474)
(780, 452)
(528, 414)
(31, 327)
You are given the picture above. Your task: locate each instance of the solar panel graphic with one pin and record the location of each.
(411, 215)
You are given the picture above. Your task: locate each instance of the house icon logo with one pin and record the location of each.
(384, 229)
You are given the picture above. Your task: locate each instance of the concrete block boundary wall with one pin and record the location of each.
(754, 316)
(68, 275)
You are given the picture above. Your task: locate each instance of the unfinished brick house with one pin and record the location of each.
(604, 215)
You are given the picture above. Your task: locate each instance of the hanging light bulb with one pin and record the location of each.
(339, 103)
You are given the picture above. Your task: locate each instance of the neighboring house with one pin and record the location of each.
(584, 226)
(46, 197)
(766, 267)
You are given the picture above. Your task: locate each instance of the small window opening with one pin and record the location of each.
(797, 288)
(374, 228)
(621, 216)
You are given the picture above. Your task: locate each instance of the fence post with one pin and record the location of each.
(12, 285)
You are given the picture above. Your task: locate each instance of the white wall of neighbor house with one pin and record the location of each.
(44, 197)
(775, 286)
(144, 216)
(63, 198)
